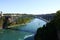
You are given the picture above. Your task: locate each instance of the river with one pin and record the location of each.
(24, 31)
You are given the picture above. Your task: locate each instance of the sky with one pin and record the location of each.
(29, 6)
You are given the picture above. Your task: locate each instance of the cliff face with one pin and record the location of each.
(46, 16)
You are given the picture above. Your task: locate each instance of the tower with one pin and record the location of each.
(0, 14)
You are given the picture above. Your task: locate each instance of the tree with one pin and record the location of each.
(50, 30)
(6, 22)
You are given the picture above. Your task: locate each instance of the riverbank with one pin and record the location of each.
(13, 26)
(18, 22)
(16, 25)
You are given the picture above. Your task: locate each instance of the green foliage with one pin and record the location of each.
(57, 14)
(1, 22)
(49, 31)
(23, 20)
(19, 20)
(58, 11)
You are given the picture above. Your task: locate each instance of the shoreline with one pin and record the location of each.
(14, 26)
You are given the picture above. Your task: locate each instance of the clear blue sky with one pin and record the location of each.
(30, 6)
